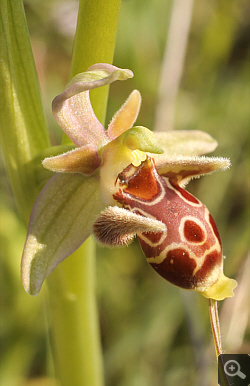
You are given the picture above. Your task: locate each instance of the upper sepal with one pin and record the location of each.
(73, 111)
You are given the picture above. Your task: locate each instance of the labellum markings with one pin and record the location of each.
(188, 253)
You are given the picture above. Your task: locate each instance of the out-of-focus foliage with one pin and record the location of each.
(152, 333)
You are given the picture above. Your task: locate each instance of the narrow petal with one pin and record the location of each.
(126, 116)
(185, 142)
(84, 160)
(183, 168)
(73, 111)
(117, 226)
(61, 220)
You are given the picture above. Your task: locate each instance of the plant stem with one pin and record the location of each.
(215, 325)
(74, 321)
(71, 288)
(95, 43)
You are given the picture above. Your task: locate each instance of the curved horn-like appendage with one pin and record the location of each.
(117, 226)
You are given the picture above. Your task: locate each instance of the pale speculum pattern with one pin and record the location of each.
(189, 252)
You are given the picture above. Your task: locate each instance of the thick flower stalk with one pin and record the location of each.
(118, 183)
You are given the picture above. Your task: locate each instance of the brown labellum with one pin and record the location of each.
(188, 252)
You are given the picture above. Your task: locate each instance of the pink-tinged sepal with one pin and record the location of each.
(73, 111)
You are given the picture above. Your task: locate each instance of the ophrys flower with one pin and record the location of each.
(119, 183)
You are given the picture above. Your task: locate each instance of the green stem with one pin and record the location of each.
(95, 43)
(215, 325)
(71, 296)
(74, 321)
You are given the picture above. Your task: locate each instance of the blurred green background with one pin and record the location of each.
(153, 334)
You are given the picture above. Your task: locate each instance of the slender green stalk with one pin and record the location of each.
(71, 288)
(95, 42)
(73, 319)
(215, 325)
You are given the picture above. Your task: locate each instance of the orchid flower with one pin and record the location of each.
(122, 182)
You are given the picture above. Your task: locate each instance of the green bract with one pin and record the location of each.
(83, 185)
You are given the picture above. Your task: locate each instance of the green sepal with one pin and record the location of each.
(185, 142)
(61, 221)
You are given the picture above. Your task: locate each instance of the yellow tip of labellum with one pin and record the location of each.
(222, 289)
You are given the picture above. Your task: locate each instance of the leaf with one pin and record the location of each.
(61, 220)
(23, 125)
